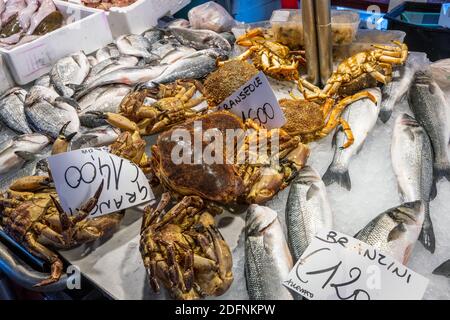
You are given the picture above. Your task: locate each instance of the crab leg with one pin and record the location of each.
(151, 215)
(374, 73)
(61, 144)
(348, 133)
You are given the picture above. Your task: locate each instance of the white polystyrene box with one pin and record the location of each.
(88, 30)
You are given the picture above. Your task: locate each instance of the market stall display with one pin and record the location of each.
(134, 94)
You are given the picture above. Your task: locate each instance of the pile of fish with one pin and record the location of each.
(22, 21)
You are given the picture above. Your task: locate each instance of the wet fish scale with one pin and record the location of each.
(12, 111)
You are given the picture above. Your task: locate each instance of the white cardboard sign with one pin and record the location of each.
(256, 100)
(338, 267)
(78, 174)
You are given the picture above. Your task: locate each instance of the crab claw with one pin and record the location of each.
(61, 144)
(116, 120)
(30, 183)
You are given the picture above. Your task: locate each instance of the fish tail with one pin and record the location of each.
(441, 170)
(427, 237)
(385, 114)
(443, 269)
(337, 174)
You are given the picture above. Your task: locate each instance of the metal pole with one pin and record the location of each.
(310, 40)
(323, 20)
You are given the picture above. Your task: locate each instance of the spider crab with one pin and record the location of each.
(184, 250)
(32, 215)
(273, 58)
(238, 174)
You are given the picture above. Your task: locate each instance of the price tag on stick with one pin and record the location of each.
(338, 267)
(256, 100)
(78, 174)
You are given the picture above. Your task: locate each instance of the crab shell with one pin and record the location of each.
(302, 117)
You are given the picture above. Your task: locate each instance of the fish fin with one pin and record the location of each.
(357, 234)
(334, 139)
(443, 269)
(70, 101)
(25, 155)
(313, 189)
(385, 115)
(433, 192)
(75, 87)
(337, 174)
(441, 171)
(427, 237)
(396, 232)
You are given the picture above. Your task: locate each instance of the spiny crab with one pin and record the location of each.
(175, 103)
(184, 250)
(273, 58)
(238, 173)
(32, 215)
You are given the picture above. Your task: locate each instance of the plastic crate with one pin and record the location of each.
(425, 36)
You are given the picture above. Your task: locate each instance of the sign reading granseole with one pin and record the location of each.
(256, 100)
(338, 267)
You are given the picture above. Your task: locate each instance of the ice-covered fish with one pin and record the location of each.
(267, 257)
(94, 138)
(395, 231)
(200, 39)
(307, 210)
(396, 90)
(108, 51)
(412, 160)
(136, 45)
(430, 109)
(362, 116)
(12, 111)
(194, 66)
(68, 71)
(28, 143)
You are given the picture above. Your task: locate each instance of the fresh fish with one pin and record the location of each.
(127, 75)
(6, 134)
(12, 111)
(43, 81)
(92, 60)
(163, 47)
(95, 138)
(39, 93)
(412, 160)
(10, 158)
(181, 23)
(267, 257)
(46, 7)
(396, 90)
(136, 45)
(194, 66)
(200, 39)
(13, 7)
(153, 35)
(71, 70)
(430, 109)
(395, 231)
(48, 118)
(229, 36)
(110, 65)
(307, 210)
(109, 51)
(177, 54)
(362, 116)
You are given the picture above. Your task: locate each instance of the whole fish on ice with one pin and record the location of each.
(136, 45)
(12, 111)
(108, 51)
(200, 39)
(362, 116)
(94, 138)
(267, 257)
(307, 210)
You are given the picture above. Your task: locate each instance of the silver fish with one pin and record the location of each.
(194, 66)
(200, 39)
(362, 116)
(71, 70)
(267, 257)
(6, 134)
(153, 35)
(127, 75)
(396, 90)
(108, 51)
(43, 81)
(10, 154)
(412, 160)
(307, 210)
(136, 45)
(49, 118)
(395, 231)
(430, 109)
(110, 65)
(12, 111)
(94, 138)
(177, 54)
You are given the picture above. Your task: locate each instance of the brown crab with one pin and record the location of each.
(273, 58)
(175, 103)
(184, 250)
(32, 215)
(354, 72)
(238, 174)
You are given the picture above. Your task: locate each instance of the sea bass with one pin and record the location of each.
(412, 160)
(200, 39)
(268, 260)
(108, 51)
(430, 109)
(136, 45)
(12, 111)
(362, 116)
(71, 70)
(307, 210)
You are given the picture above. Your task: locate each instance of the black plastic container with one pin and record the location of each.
(435, 41)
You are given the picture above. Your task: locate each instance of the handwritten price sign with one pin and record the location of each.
(339, 267)
(78, 174)
(256, 100)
